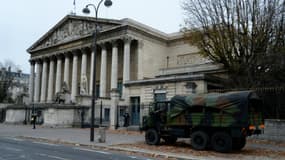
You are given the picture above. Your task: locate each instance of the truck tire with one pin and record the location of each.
(239, 143)
(199, 140)
(221, 142)
(169, 139)
(152, 137)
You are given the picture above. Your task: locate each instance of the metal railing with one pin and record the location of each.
(273, 99)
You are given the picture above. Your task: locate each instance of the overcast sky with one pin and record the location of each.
(23, 22)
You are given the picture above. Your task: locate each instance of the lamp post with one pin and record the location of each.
(86, 10)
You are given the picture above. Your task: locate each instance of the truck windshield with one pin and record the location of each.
(162, 106)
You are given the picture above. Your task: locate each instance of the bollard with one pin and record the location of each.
(102, 135)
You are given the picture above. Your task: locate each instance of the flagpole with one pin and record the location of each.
(74, 7)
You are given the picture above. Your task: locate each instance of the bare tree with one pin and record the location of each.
(10, 64)
(247, 36)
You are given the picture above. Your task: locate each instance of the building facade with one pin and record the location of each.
(135, 65)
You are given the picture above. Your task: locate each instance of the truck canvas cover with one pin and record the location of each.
(233, 105)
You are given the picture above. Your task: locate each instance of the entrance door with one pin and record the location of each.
(135, 106)
(107, 114)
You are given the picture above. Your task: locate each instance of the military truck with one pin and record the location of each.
(219, 121)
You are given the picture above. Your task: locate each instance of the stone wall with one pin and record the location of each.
(15, 116)
(52, 115)
(153, 58)
(146, 92)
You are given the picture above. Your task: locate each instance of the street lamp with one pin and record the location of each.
(86, 10)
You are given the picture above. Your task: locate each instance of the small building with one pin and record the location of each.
(17, 84)
(135, 65)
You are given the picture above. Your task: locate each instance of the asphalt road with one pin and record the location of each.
(19, 149)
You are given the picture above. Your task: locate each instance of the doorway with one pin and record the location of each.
(135, 110)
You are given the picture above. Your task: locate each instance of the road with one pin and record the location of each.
(20, 149)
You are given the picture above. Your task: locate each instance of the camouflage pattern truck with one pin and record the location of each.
(220, 121)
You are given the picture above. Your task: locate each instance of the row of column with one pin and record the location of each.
(42, 84)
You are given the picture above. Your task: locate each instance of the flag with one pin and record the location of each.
(74, 2)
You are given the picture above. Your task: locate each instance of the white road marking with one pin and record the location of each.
(133, 157)
(56, 157)
(43, 143)
(14, 139)
(90, 150)
(41, 154)
(23, 156)
(50, 156)
(102, 152)
(12, 149)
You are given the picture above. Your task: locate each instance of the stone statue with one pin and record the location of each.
(65, 88)
(60, 97)
(19, 97)
(84, 85)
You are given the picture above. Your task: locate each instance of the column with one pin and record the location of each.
(50, 81)
(114, 72)
(83, 78)
(58, 75)
(74, 77)
(140, 57)
(66, 70)
(103, 76)
(126, 70)
(44, 81)
(91, 72)
(32, 81)
(38, 82)
(114, 108)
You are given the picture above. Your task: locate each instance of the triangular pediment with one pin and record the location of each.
(71, 28)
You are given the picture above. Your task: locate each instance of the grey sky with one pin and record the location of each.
(24, 21)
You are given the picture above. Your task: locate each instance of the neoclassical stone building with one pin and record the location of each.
(135, 65)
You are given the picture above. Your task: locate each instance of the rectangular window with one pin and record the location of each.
(159, 97)
(97, 90)
(120, 88)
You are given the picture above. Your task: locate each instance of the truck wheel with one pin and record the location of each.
(199, 140)
(221, 142)
(152, 137)
(239, 143)
(169, 139)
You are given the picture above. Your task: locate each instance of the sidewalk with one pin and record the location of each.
(132, 141)
(70, 135)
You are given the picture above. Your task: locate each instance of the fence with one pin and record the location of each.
(133, 114)
(273, 101)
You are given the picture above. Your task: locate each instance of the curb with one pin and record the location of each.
(155, 154)
(143, 151)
